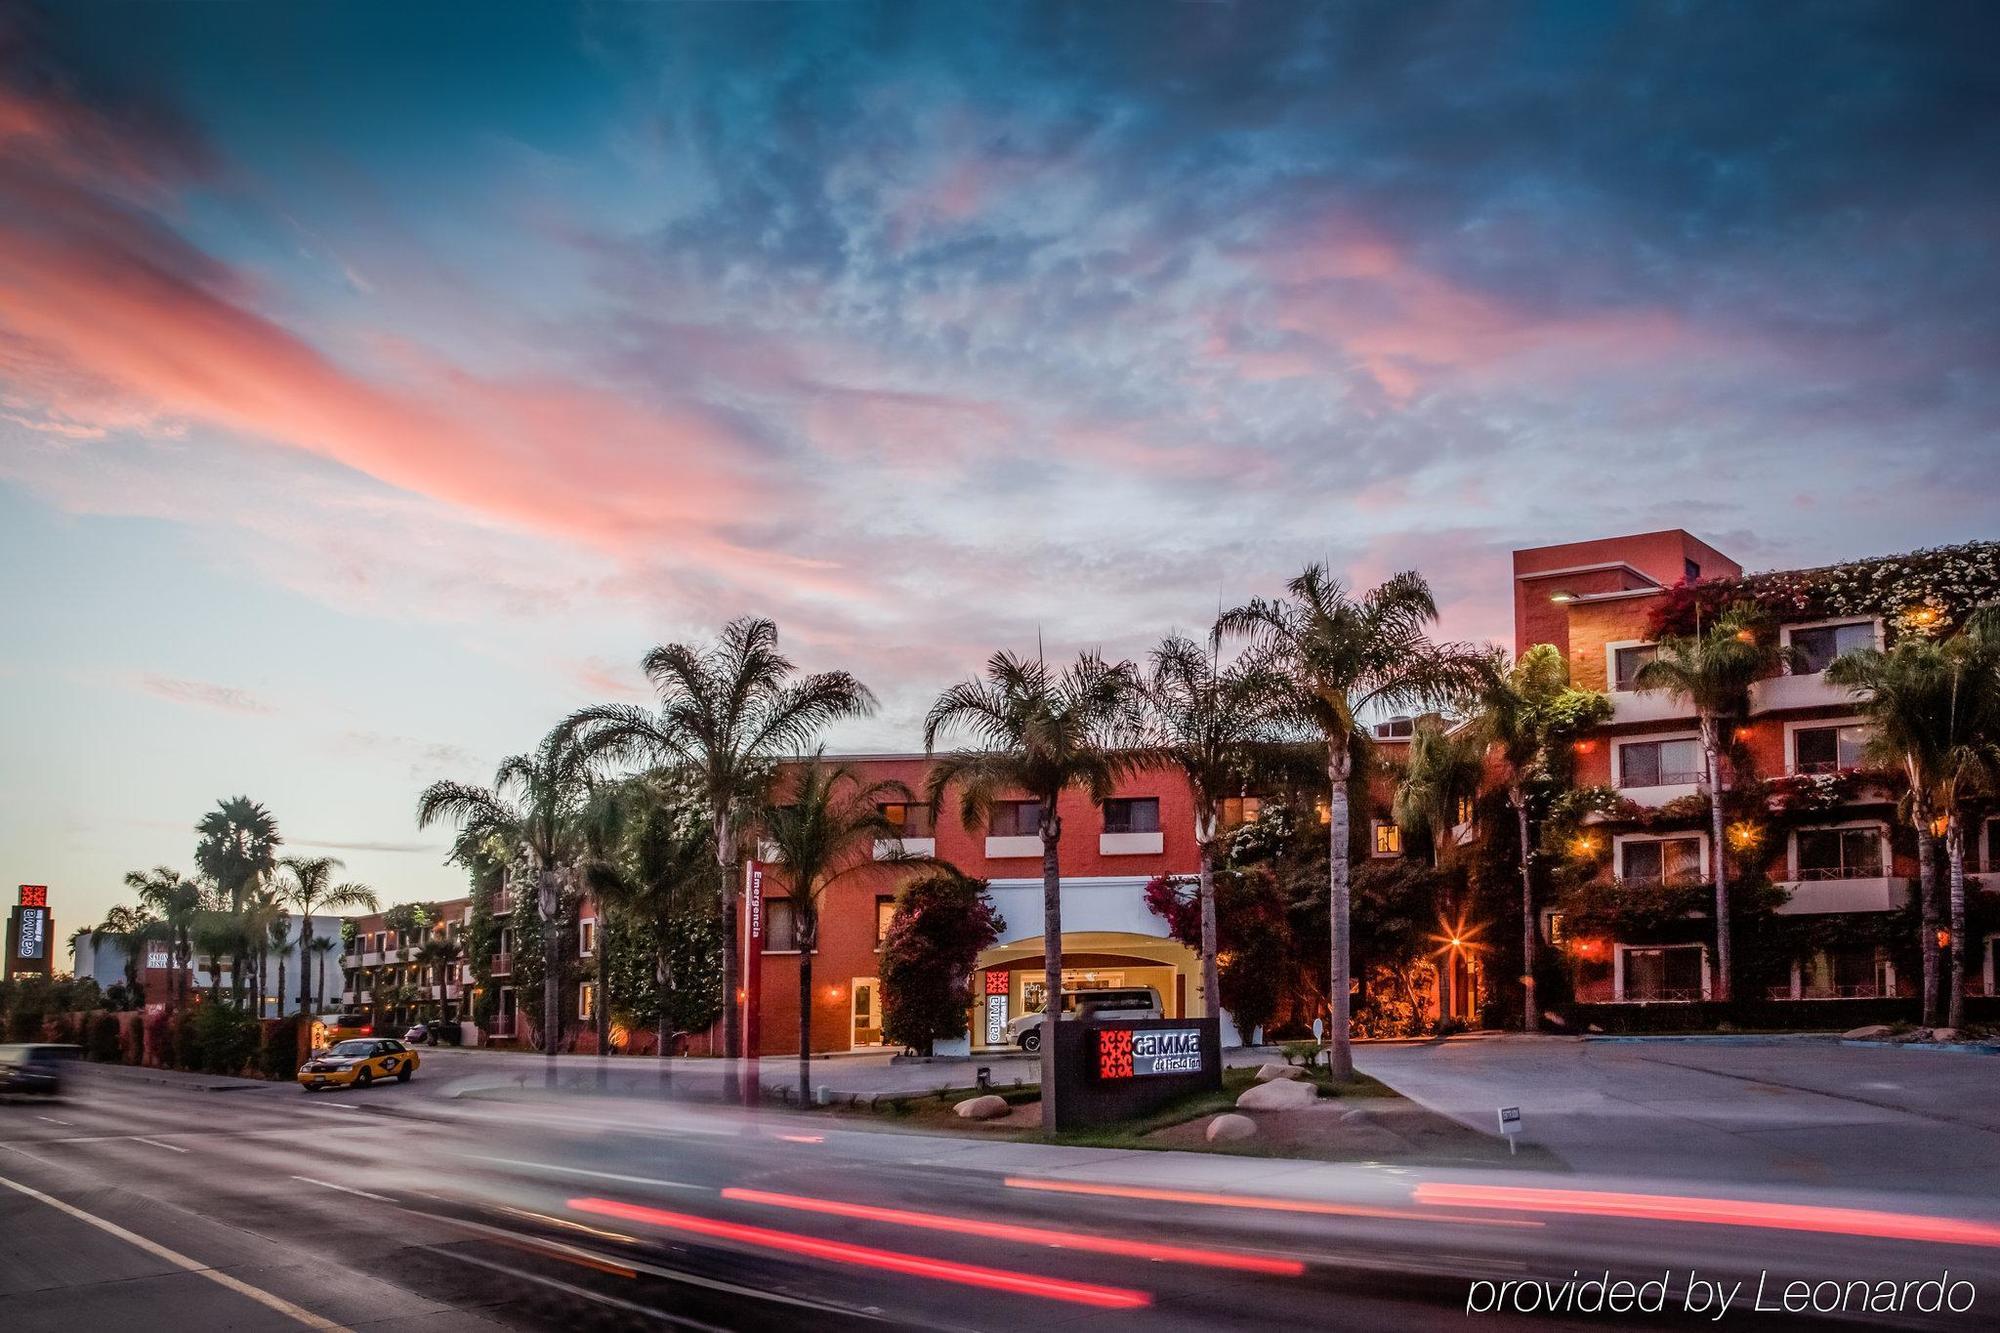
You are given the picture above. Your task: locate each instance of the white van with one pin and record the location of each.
(1117, 1002)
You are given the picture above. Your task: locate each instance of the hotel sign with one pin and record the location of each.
(34, 932)
(997, 984)
(1145, 1052)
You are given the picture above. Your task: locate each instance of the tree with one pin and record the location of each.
(129, 928)
(1931, 712)
(1444, 771)
(535, 805)
(307, 883)
(825, 830)
(437, 956)
(1531, 714)
(1711, 671)
(1043, 733)
(265, 922)
(238, 846)
(1205, 723)
(940, 925)
(177, 900)
(1336, 657)
(727, 713)
(313, 1000)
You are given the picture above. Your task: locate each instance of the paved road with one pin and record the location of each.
(1748, 1112)
(164, 1205)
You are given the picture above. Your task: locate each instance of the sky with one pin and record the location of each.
(379, 382)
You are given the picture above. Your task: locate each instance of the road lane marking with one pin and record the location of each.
(570, 1288)
(155, 1143)
(264, 1298)
(596, 1175)
(345, 1189)
(53, 1121)
(1262, 1203)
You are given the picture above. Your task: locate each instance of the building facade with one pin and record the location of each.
(387, 974)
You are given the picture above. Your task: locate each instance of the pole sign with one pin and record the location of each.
(753, 952)
(997, 986)
(34, 895)
(1510, 1125)
(29, 927)
(34, 933)
(1148, 1052)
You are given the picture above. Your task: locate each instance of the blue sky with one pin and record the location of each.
(376, 384)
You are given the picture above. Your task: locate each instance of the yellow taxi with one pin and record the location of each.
(358, 1062)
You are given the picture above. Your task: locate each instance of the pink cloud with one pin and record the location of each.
(205, 694)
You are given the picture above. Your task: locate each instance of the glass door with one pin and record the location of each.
(867, 1011)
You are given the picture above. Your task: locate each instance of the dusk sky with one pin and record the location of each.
(378, 383)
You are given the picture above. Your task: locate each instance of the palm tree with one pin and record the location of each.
(306, 882)
(1042, 733)
(313, 999)
(176, 899)
(825, 831)
(727, 713)
(534, 804)
(130, 927)
(1530, 714)
(1930, 709)
(238, 847)
(1711, 671)
(1206, 723)
(263, 914)
(437, 956)
(1338, 657)
(282, 946)
(1445, 769)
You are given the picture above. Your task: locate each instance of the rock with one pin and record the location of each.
(988, 1107)
(1283, 1094)
(1594, 1028)
(1228, 1127)
(1872, 1032)
(1944, 1034)
(1271, 1073)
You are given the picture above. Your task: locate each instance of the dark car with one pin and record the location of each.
(35, 1067)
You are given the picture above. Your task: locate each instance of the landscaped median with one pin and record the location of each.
(1362, 1120)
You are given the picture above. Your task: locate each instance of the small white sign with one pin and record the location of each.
(1510, 1120)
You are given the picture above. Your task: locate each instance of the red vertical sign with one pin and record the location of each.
(753, 953)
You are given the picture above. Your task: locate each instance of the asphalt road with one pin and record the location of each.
(136, 1204)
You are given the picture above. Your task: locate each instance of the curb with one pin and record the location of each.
(174, 1078)
(1939, 1048)
(1723, 1038)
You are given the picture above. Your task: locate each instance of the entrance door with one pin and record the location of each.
(867, 1011)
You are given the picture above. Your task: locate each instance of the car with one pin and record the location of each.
(34, 1067)
(336, 1027)
(1113, 1002)
(358, 1062)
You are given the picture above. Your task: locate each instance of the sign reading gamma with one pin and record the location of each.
(1129, 1053)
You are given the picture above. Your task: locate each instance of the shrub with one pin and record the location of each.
(279, 1058)
(103, 1044)
(941, 923)
(186, 1045)
(225, 1039)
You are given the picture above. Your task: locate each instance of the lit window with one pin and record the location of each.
(781, 927)
(1659, 763)
(1816, 648)
(1016, 819)
(587, 938)
(586, 1001)
(1388, 838)
(885, 912)
(1555, 931)
(1828, 749)
(1847, 853)
(1660, 861)
(1396, 729)
(1626, 662)
(1139, 814)
(1233, 811)
(910, 819)
(1464, 810)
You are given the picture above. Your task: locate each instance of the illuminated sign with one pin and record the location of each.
(34, 895)
(1140, 1053)
(34, 932)
(157, 956)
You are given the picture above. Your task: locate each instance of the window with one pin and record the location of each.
(1016, 819)
(1828, 749)
(1659, 763)
(1233, 811)
(911, 819)
(587, 937)
(1555, 929)
(1816, 648)
(885, 912)
(1690, 570)
(1625, 664)
(1671, 974)
(1387, 838)
(781, 926)
(1464, 810)
(1993, 844)
(1660, 861)
(1135, 814)
(1396, 728)
(586, 1001)
(1840, 853)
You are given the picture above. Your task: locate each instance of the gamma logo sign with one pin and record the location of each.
(1129, 1053)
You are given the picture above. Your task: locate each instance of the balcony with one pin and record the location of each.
(1130, 844)
(503, 902)
(1875, 893)
(1671, 787)
(1014, 848)
(1776, 693)
(1654, 706)
(886, 848)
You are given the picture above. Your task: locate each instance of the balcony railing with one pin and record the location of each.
(503, 902)
(1861, 992)
(503, 964)
(1841, 872)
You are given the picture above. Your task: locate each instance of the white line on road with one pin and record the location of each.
(53, 1121)
(572, 1289)
(595, 1175)
(179, 1260)
(155, 1143)
(345, 1189)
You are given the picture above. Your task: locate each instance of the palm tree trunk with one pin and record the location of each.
(663, 975)
(1718, 855)
(601, 1010)
(1211, 982)
(548, 900)
(1927, 910)
(805, 1020)
(1340, 1051)
(1531, 1017)
(1955, 849)
(1051, 955)
(281, 984)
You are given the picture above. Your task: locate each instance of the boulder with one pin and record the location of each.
(1944, 1034)
(1872, 1032)
(1279, 1095)
(1270, 1073)
(1228, 1127)
(988, 1107)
